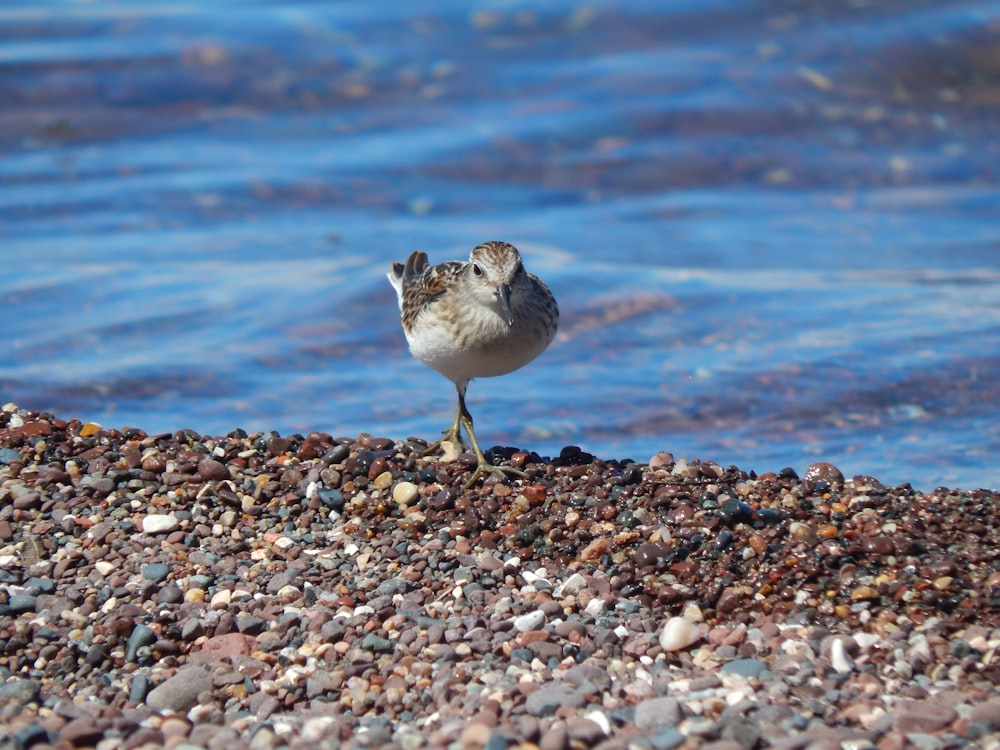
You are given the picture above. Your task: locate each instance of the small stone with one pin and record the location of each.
(921, 716)
(372, 642)
(141, 636)
(83, 731)
(20, 603)
(864, 593)
(655, 713)
(800, 532)
(211, 470)
(89, 429)
(405, 493)
(745, 667)
(986, 714)
(180, 692)
(23, 691)
(383, 481)
(192, 629)
(648, 553)
(824, 472)
(170, 595)
(839, 658)
(571, 586)
(155, 572)
(678, 634)
(160, 524)
(529, 621)
(30, 736)
(551, 697)
(9, 456)
(139, 689)
(584, 730)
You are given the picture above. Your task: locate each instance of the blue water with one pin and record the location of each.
(773, 227)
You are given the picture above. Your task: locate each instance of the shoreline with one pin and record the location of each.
(272, 591)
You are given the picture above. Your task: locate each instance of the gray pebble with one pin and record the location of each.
(666, 739)
(377, 644)
(588, 679)
(192, 629)
(155, 572)
(96, 654)
(139, 689)
(658, 712)
(170, 595)
(9, 456)
(549, 698)
(19, 603)
(23, 691)
(529, 621)
(40, 585)
(180, 692)
(30, 736)
(141, 636)
(250, 624)
(745, 667)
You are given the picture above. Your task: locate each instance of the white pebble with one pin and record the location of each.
(405, 493)
(595, 607)
(221, 599)
(529, 621)
(160, 524)
(104, 567)
(533, 577)
(839, 659)
(692, 613)
(449, 452)
(572, 585)
(601, 719)
(678, 634)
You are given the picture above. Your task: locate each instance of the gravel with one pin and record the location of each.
(265, 591)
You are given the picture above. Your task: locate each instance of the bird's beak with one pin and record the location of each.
(503, 295)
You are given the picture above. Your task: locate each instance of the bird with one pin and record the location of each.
(479, 318)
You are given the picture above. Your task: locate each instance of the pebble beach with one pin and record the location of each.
(317, 591)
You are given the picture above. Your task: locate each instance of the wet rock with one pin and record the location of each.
(824, 472)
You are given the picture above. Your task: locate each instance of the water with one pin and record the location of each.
(772, 227)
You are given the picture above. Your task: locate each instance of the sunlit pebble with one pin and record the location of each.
(449, 452)
(839, 660)
(404, 493)
(824, 472)
(864, 593)
(104, 567)
(678, 634)
(661, 461)
(801, 532)
(221, 599)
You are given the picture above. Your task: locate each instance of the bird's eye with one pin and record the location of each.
(476, 269)
(519, 270)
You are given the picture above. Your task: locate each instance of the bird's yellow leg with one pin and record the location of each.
(483, 466)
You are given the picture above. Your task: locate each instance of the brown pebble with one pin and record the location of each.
(824, 472)
(211, 470)
(921, 716)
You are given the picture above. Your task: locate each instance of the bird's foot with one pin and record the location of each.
(485, 467)
(450, 446)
